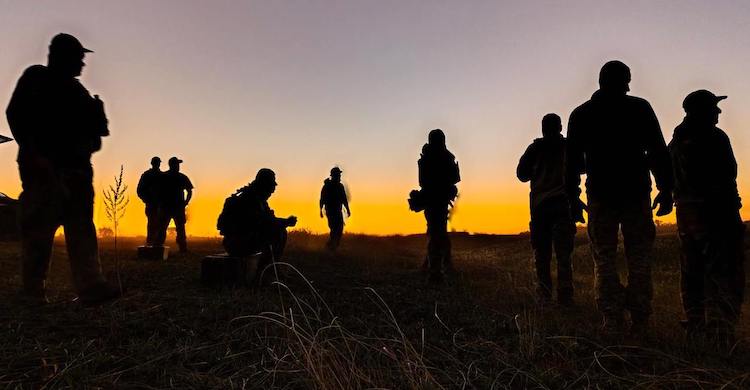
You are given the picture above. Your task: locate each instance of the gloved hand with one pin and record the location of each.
(664, 201)
(576, 210)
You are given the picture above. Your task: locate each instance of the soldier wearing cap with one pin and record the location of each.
(149, 190)
(176, 192)
(249, 225)
(58, 126)
(551, 225)
(615, 139)
(333, 198)
(708, 219)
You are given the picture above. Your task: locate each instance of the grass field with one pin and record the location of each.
(362, 318)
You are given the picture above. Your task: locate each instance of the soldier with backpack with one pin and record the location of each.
(438, 176)
(543, 165)
(249, 225)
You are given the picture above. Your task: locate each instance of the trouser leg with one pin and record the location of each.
(271, 253)
(726, 276)
(40, 212)
(638, 233)
(692, 277)
(336, 226)
(541, 243)
(438, 246)
(36, 253)
(603, 227)
(152, 224)
(80, 232)
(564, 236)
(160, 227)
(179, 224)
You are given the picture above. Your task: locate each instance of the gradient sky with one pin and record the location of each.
(299, 86)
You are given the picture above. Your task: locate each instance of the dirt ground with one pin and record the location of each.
(363, 317)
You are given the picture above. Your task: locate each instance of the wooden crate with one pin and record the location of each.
(223, 270)
(153, 253)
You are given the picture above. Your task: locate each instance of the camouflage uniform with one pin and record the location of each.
(711, 230)
(57, 125)
(551, 222)
(616, 141)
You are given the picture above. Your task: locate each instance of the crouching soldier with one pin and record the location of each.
(708, 219)
(249, 225)
(551, 223)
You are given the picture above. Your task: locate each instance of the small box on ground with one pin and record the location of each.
(153, 252)
(223, 270)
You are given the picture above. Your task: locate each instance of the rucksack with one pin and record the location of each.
(231, 215)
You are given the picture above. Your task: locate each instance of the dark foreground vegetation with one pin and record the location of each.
(363, 318)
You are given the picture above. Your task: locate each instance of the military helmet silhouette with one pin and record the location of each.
(66, 44)
(700, 99)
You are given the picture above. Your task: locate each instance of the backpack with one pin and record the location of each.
(231, 215)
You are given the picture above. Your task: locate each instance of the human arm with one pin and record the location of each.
(345, 200)
(188, 190)
(659, 161)
(574, 165)
(321, 203)
(525, 169)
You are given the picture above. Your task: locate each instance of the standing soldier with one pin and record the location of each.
(543, 164)
(177, 190)
(616, 141)
(333, 198)
(58, 125)
(708, 219)
(438, 176)
(149, 192)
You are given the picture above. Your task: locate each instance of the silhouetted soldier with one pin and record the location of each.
(249, 225)
(333, 198)
(58, 125)
(708, 219)
(543, 164)
(149, 190)
(616, 141)
(177, 190)
(438, 176)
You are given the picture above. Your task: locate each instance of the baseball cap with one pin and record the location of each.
(175, 160)
(67, 44)
(700, 99)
